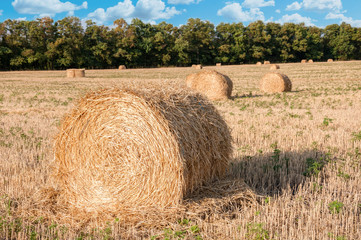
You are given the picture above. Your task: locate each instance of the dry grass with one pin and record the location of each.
(298, 152)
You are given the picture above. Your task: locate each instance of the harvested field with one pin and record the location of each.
(295, 168)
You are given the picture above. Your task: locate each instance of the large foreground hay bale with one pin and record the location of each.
(123, 148)
(266, 62)
(275, 82)
(259, 64)
(122, 67)
(274, 67)
(75, 73)
(211, 83)
(330, 60)
(303, 61)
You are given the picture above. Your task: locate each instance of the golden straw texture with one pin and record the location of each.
(211, 83)
(122, 148)
(275, 82)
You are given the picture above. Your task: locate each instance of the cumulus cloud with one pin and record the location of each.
(334, 5)
(46, 8)
(147, 10)
(343, 18)
(296, 18)
(278, 11)
(183, 1)
(257, 3)
(1, 12)
(235, 12)
(294, 6)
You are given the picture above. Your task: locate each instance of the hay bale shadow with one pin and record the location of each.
(275, 173)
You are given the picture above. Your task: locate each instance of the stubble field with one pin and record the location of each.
(299, 153)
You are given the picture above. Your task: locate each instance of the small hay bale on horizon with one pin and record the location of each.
(303, 61)
(122, 67)
(274, 67)
(266, 62)
(218, 64)
(330, 60)
(198, 66)
(310, 61)
(211, 83)
(275, 83)
(138, 149)
(259, 64)
(75, 73)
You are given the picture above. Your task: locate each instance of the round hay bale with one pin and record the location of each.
(310, 61)
(75, 73)
(275, 82)
(259, 64)
(218, 64)
(211, 83)
(121, 148)
(266, 62)
(122, 67)
(330, 60)
(303, 61)
(194, 65)
(199, 66)
(274, 67)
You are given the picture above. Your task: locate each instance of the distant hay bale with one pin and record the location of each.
(194, 65)
(266, 62)
(121, 148)
(274, 67)
(275, 82)
(218, 64)
(330, 60)
(303, 61)
(75, 73)
(310, 61)
(199, 66)
(258, 63)
(122, 67)
(211, 83)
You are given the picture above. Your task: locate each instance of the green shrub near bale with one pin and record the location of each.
(122, 148)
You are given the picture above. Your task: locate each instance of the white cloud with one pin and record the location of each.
(235, 12)
(296, 18)
(21, 19)
(343, 18)
(294, 6)
(46, 8)
(257, 3)
(322, 4)
(147, 10)
(278, 11)
(1, 12)
(334, 5)
(183, 1)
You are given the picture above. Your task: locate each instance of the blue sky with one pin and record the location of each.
(313, 12)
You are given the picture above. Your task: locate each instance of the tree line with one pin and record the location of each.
(45, 44)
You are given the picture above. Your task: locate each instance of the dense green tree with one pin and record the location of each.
(200, 36)
(43, 44)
